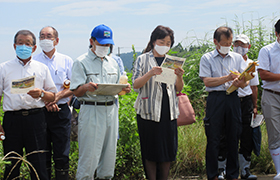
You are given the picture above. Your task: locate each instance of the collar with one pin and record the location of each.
(152, 62)
(46, 57)
(94, 57)
(21, 63)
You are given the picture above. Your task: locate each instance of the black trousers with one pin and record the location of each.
(29, 132)
(58, 138)
(246, 139)
(222, 111)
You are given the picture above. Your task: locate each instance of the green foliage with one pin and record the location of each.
(128, 162)
(191, 138)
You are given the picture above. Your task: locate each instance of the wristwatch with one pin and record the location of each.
(42, 94)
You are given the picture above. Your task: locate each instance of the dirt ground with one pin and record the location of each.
(260, 177)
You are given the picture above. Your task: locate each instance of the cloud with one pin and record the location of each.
(99, 7)
(28, 1)
(153, 9)
(87, 8)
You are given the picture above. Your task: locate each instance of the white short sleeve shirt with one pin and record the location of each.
(15, 69)
(269, 60)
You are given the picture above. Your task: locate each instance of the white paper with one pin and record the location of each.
(168, 66)
(167, 76)
(257, 121)
(22, 86)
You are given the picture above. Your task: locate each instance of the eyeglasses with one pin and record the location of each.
(236, 44)
(46, 37)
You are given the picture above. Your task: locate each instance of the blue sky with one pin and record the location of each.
(132, 21)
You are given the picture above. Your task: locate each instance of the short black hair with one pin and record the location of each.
(25, 33)
(277, 26)
(93, 38)
(223, 30)
(160, 32)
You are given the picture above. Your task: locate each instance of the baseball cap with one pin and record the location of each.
(243, 38)
(103, 34)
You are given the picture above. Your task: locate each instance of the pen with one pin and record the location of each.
(236, 73)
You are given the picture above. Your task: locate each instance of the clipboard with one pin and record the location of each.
(108, 89)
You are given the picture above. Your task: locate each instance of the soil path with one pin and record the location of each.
(260, 177)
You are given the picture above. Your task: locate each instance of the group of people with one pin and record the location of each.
(40, 119)
(228, 116)
(36, 105)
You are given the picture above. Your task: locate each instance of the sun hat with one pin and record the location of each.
(243, 38)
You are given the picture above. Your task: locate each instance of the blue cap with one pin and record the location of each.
(103, 34)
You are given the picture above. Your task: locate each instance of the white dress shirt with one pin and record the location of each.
(269, 60)
(60, 67)
(15, 69)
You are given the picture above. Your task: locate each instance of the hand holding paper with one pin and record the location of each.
(248, 74)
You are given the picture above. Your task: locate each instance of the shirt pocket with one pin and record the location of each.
(112, 77)
(60, 76)
(93, 77)
(39, 81)
(145, 106)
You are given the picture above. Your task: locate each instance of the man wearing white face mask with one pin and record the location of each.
(98, 117)
(57, 112)
(248, 98)
(269, 69)
(222, 110)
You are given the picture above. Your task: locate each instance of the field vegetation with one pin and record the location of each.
(192, 141)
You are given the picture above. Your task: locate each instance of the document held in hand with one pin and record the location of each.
(248, 73)
(168, 66)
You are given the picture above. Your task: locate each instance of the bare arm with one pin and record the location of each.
(81, 90)
(36, 93)
(62, 94)
(52, 106)
(268, 76)
(141, 81)
(1, 128)
(179, 80)
(255, 99)
(217, 81)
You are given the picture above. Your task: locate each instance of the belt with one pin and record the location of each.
(24, 112)
(245, 97)
(274, 92)
(108, 103)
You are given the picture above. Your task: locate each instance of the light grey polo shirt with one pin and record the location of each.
(212, 64)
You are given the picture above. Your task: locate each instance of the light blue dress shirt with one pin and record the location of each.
(60, 67)
(212, 64)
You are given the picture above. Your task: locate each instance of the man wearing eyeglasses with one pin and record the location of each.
(248, 98)
(58, 114)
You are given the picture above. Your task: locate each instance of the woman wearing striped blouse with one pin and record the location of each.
(156, 106)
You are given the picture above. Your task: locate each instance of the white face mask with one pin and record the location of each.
(240, 50)
(101, 51)
(161, 50)
(46, 45)
(224, 49)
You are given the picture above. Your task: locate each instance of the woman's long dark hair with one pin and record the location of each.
(160, 32)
